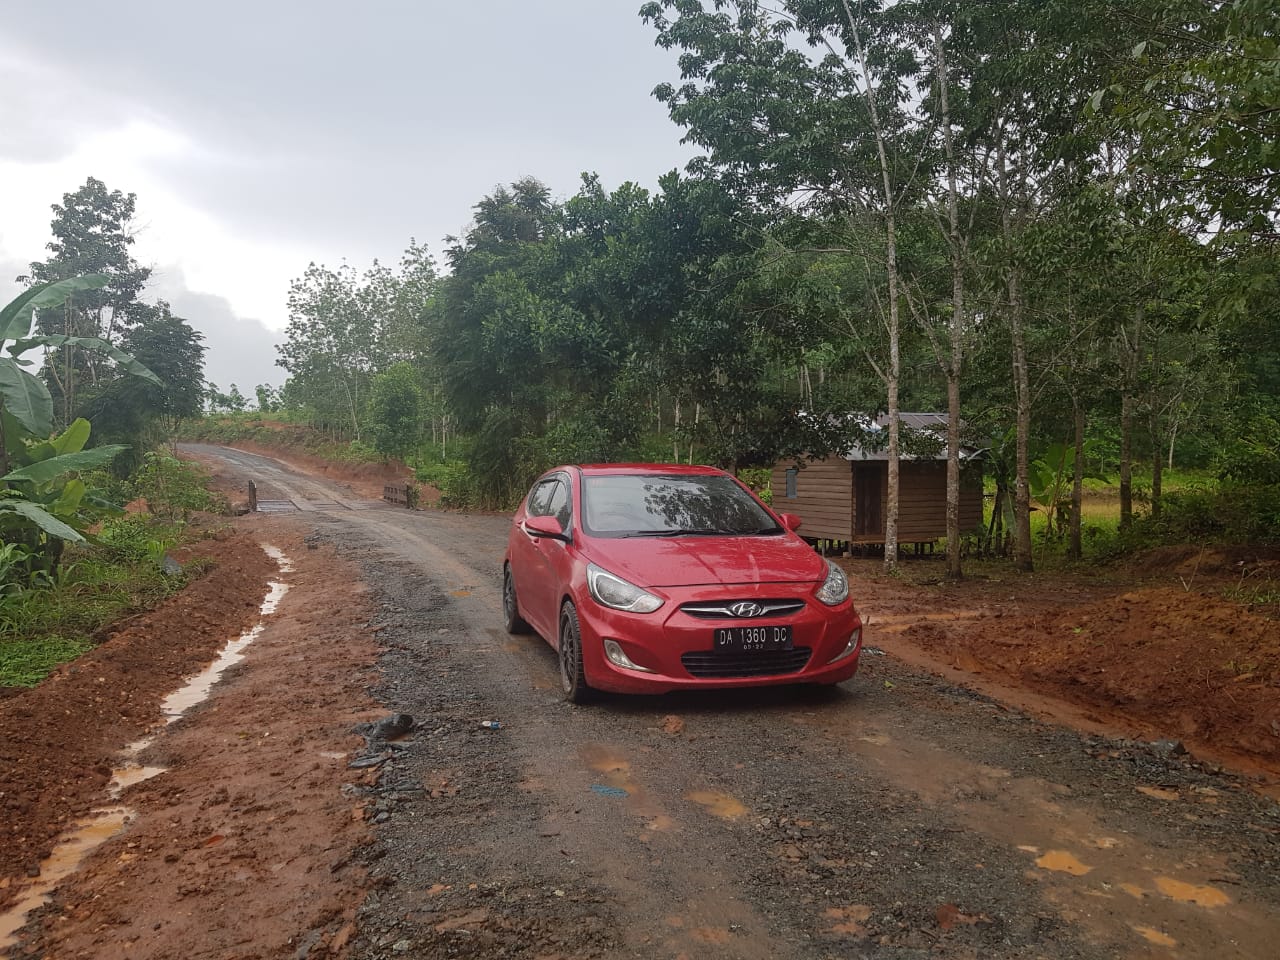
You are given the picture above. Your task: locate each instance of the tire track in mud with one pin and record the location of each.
(899, 814)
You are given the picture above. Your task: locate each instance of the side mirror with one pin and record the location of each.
(790, 521)
(544, 527)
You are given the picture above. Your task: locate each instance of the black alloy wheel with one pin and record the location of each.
(510, 609)
(573, 680)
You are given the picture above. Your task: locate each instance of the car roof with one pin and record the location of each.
(646, 469)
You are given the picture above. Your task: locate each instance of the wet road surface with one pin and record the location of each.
(895, 816)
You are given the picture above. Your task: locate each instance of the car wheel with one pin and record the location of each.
(573, 680)
(510, 609)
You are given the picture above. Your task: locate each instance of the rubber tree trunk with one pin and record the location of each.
(1021, 381)
(1074, 549)
(894, 371)
(956, 359)
(1132, 344)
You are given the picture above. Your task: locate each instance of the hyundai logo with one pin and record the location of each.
(746, 608)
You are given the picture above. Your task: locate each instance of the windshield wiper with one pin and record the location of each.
(684, 533)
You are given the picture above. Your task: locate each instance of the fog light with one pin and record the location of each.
(854, 640)
(618, 657)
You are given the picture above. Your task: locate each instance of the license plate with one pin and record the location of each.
(753, 638)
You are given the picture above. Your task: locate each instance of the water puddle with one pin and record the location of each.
(616, 770)
(719, 804)
(1185, 892)
(73, 846)
(1060, 861)
(616, 778)
(1152, 935)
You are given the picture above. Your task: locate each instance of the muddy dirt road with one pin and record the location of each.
(897, 816)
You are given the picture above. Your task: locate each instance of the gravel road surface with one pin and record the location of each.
(896, 816)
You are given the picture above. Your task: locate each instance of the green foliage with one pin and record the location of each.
(143, 413)
(454, 480)
(344, 328)
(25, 662)
(93, 232)
(1253, 456)
(173, 488)
(1230, 514)
(1200, 92)
(268, 398)
(40, 628)
(395, 411)
(15, 569)
(44, 502)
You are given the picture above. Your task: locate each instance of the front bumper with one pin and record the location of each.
(660, 641)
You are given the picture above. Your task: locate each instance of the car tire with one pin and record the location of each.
(510, 608)
(573, 679)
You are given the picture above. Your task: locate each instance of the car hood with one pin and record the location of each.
(697, 561)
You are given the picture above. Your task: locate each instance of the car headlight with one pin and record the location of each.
(610, 591)
(836, 588)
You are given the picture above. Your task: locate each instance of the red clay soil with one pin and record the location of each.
(242, 848)
(1170, 657)
(58, 740)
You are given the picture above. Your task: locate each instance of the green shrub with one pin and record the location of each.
(173, 488)
(134, 539)
(1253, 457)
(454, 481)
(1231, 514)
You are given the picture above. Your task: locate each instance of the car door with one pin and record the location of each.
(528, 565)
(537, 585)
(557, 554)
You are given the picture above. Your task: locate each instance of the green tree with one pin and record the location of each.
(141, 413)
(268, 398)
(1197, 85)
(93, 232)
(395, 410)
(235, 400)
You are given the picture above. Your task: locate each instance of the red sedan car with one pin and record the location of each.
(648, 578)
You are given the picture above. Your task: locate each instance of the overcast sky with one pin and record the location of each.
(259, 136)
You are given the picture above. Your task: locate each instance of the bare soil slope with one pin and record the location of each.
(1155, 649)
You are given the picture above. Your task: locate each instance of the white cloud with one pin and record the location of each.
(251, 275)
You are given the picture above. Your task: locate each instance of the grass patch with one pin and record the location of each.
(24, 663)
(42, 628)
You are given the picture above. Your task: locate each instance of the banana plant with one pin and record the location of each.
(45, 491)
(1051, 476)
(42, 501)
(24, 396)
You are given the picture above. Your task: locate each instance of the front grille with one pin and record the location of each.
(722, 609)
(711, 664)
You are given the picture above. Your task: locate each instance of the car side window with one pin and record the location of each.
(540, 498)
(560, 506)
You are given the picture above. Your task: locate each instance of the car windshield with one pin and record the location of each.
(645, 505)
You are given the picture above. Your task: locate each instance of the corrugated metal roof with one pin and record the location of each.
(932, 425)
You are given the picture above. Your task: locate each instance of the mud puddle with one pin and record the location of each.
(72, 847)
(1155, 892)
